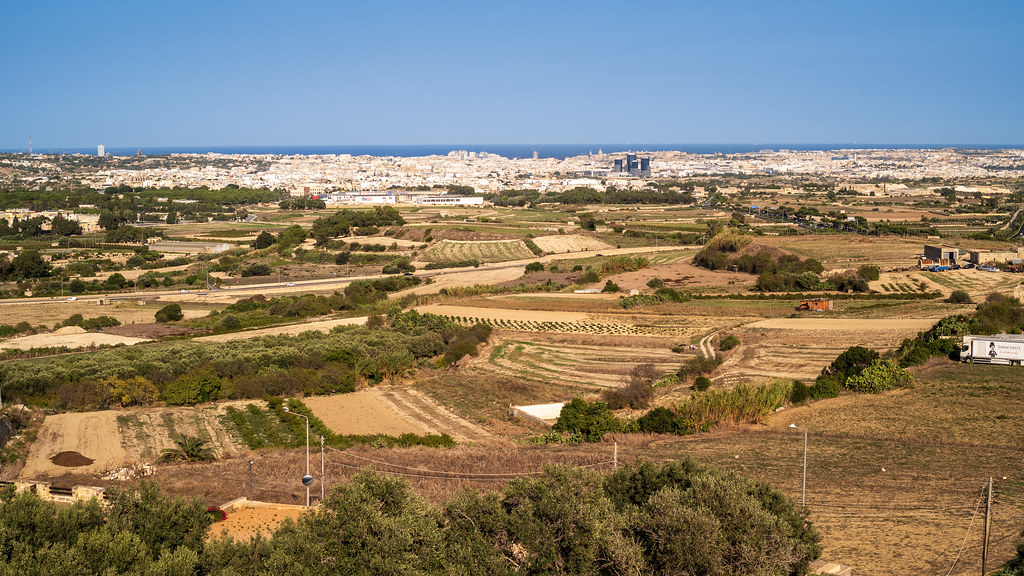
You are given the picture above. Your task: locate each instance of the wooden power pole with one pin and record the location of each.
(988, 524)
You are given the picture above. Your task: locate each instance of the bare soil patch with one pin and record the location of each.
(910, 326)
(152, 331)
(683, 275)
(94, 435)
(463, 279)
(246, 523)
(71, 339)
(393, 411)
(70, 459)
(363, 412)
(112, 439)
(559, 244)
(500, 313)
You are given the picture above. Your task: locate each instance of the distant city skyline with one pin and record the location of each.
(233, 74)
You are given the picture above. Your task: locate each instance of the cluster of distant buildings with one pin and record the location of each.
(88, 222)
(387, 197)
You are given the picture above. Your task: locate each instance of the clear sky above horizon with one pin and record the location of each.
(235, 73)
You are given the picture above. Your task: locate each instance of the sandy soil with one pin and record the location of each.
(908, 325)
(459, 279)
(686, 275)
(245, 523)
(498, 313)
(384, 240)
(363, 412)
(54, 311)
(393, 411)
(72, 337)
(290, 329)
(558, 243)
(115, 438)
(94, 435)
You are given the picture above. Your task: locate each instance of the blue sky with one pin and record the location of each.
(134, 74)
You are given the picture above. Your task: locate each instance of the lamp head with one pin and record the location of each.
(285, 408)
(791, 425)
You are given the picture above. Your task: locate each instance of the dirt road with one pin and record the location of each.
(910, 325)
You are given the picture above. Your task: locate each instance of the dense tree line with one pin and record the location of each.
(302, 204)
(611, 195)
(189, 372)
(343, 221)
(675, 518)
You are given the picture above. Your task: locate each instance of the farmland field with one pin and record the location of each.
(483, 250)
(558, 244)
(392, 411)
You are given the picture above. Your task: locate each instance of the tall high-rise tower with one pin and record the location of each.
(101, 151)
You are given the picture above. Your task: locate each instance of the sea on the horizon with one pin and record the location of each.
(558, 151)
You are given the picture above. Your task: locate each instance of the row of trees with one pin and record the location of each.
(343, 221)
(676, 518)
(184, 372)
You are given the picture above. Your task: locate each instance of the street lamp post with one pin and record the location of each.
(803, 489)
(250, 480)
(307, 479)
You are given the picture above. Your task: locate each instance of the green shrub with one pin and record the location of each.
(257, 269)
(879, 376)
(610, 287)
(698, 366)
(534, 267)
(201, 385)
(728, 343)
(230, 322)
(959, 297)
(799, 393)
(591, 421)
(655, 283)
(851, 362)
(826, 387)
(868, 272)
(588, 277)
(661, 420)
(169, 313)
(701, 383)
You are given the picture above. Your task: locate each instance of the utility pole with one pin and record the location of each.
(988, 524)
(323, 483)
(615, 457)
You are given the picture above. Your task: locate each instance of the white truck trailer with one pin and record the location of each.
(998, 349)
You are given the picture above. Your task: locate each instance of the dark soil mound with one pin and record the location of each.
(70, 459)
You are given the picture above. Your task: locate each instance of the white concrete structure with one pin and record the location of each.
(101, 151)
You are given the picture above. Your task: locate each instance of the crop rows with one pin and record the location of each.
(572, 327)
(446, 251)
(901, 287)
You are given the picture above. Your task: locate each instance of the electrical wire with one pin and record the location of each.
(969, 526)
(454, 475)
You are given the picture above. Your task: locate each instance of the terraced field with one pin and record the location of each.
(575, 365)
(563, 322)
(976, 282)
(482, 250)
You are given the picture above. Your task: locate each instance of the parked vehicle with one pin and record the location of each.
(998, 349)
